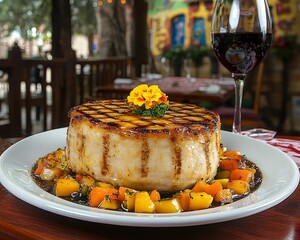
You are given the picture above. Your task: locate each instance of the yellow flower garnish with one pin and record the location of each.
(148, 101)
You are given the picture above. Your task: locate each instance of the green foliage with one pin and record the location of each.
(174, 54)
(84, 16)
(158, 111)
(197, 54)
(23, 15)
(177, 54)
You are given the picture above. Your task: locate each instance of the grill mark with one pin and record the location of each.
(206, 151)
(97, 111)
(145, 158)
(176, 158)
(81, 148)
(104, 167)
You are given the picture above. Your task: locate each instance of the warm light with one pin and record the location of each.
(123, 2)
(109, 1)
(100, 3)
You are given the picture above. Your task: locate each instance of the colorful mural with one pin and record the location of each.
(187, 22)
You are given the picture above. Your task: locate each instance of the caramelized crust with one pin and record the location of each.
(116, 115)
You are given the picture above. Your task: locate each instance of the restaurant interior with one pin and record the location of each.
(53, 64)
(113, 174)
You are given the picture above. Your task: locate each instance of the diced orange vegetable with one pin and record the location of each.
(51, 156)
(155, 195)
(233, 155)
(39, 169)
(184, 199)
(223, 196)
(238, 186)
(199, 186)
(241, 174)
(229, 164)
(213, 188)
(97, 195)
(78, 177)
(66, 186)
(122, 191)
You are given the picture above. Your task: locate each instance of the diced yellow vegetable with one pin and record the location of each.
(238, 186)
(87, 181)
(167, 206)
(223, 181)
(66, 186)
(59, 154)
(143, 203)
(129, 201)
(251, 169)
(223, 196)
(108, 203)
(200, 200)
(222, 174)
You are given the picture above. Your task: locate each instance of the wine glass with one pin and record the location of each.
(187, 62)
(241, 35)
(166, 66)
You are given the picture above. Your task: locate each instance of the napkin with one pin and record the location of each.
(213, 88)
(119, 81)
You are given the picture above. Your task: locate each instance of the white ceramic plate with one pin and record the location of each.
(280, 178)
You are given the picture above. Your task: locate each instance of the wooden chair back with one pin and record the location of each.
(46, 98)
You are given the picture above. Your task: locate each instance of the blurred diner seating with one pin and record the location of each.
(25, 97)
(93, 73)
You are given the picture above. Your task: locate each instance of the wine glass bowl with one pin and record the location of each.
(241, 35)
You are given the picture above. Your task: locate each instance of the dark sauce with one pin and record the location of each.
(82, 197)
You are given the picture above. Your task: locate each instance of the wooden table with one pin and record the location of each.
(19, 220)
(177, 88)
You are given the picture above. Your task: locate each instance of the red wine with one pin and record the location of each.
(241, 52)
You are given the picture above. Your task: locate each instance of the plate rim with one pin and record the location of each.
(141, 220)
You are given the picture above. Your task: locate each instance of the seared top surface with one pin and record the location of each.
(117, 114)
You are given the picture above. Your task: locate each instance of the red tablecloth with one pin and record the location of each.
(289, 146)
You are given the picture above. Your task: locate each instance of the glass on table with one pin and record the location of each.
(144, 70)
(241, 34)
(187, 63)
(166, 66)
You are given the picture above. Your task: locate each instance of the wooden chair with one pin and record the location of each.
(51, 102)
(46, 99)
(250, 116)
(10, 124)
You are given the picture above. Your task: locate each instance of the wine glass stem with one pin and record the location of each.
(239, 87)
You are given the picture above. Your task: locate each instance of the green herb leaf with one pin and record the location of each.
(158, 111)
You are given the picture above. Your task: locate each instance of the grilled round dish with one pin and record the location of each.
(107, 141)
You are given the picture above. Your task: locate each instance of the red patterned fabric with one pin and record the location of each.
(290, 147)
